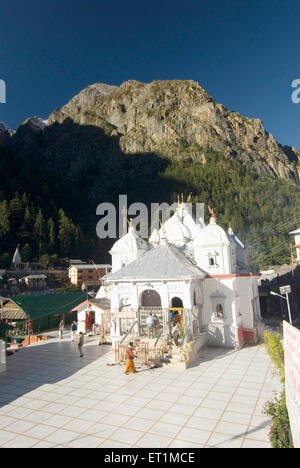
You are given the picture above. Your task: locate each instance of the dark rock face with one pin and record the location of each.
(173, 119)
(5, 134)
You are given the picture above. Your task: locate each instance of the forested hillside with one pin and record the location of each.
(48, 215)
(34, 207)
(261, 210)
(149, 141)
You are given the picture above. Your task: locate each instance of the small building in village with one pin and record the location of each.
(198, 272)
(296, 245)
(34, 281)
(92, 314)
(81, 272)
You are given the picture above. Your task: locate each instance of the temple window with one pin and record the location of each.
(212, 259)
(219, 311)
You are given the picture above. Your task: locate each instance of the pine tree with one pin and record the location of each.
(4, 219)
(28, 217)
(17, 210)
(26, 253)
(66, 234)
(51, 236)
(25, 231)
(39, 234)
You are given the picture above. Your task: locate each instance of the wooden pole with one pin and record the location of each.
(102, 337)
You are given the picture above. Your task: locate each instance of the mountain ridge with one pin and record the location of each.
(172, 118)
(178, 118)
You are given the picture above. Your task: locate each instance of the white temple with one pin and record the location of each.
(199, 270)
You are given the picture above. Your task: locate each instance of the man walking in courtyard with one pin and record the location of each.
(80, 343)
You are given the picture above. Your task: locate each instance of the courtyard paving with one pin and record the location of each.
(49, 397)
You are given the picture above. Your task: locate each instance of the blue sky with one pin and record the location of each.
(245, 53)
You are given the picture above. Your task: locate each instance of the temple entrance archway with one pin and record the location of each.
(150, 304)
(176, 313)
(150, 298)
(176, 303)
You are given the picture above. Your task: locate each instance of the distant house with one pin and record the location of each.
(79, 273)
(35, 281)
(91, 285)
(33, 266)
(92, 312)
(76, 262)
(296, 233)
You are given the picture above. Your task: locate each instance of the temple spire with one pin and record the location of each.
(17, 260)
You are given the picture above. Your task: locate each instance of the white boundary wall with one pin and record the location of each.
(291, 343)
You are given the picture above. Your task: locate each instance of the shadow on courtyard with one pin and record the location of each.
(50, 363)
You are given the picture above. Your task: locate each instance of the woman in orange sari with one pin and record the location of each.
(130, 367)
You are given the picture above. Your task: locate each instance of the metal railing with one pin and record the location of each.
(158, 338)
(129, 331)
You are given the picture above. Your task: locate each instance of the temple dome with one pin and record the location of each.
(212, 234)
(154, 238)
(175, 231)
(129, 242)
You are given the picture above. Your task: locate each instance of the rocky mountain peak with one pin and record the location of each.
(178, 119)
(173, 119)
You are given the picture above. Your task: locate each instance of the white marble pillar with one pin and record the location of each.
(165, 310)
(2, 356)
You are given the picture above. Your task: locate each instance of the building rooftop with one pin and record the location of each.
(162, 262)
(40, 305)
(87, 266)
(102, 303)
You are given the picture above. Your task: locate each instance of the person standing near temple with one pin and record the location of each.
(61, 329)
(176, 332)
(73, 330)
(150, 325)
(80, 344)
(130, 367)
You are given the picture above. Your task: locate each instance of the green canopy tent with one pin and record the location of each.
(44, 311)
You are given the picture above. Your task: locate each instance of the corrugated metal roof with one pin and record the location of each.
(80, 266)
(13, 313)
(162, 262)
(35, 306)
(103, 303)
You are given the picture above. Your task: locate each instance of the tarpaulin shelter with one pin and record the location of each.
(43, 311)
